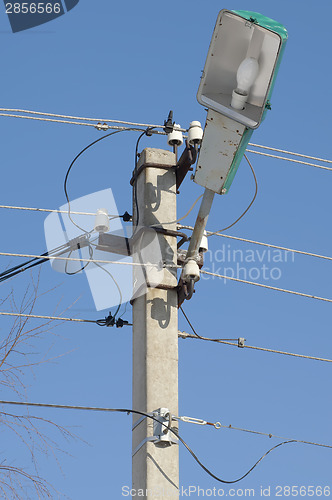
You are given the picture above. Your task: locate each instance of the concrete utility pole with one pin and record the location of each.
(155, 335)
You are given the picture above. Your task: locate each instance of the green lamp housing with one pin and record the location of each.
(241, 65)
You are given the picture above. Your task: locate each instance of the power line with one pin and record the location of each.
(32, 209)
(169, 428)
(190, 228)
(288, 159)
(48, 120)
(121, 262)
(108, 321)
(85, 119)
(241, 344)
(289, 152)
(21, 315)
(312, 443)
(269, 245)
(267, 286)
(182, 335)
(113, 410)
(99, 126)
(40, 116)
(81, 259)
(185, 335)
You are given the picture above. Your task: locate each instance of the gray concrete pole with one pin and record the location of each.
(155, 469)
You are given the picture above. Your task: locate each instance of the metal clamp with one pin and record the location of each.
(162, 435)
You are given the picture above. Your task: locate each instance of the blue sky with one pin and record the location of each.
(135, 61)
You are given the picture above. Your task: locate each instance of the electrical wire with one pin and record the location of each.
(48, 120)
(289, 152)
(275, 436)
(73, 162)
(35, 261)
(185, 335)
(100, 261)
(84, 119)
(52, 211)
(288, 159)
(84, 266)
(269, 245)
(172, 266)
(146, 132)
(143, 414)
(137, 124)
(248, 207)
(38, 316)
(13, 271)
(267, 286)
(196, 334)
(190, 228)
(113, 410)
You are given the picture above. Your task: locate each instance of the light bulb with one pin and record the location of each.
(246, 75)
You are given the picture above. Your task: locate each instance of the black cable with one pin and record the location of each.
(248, 207)
(167, 427)
(76, 158)
(19, 266)
(13, 271)
(198, 336)
(146, 132)
(83, 267)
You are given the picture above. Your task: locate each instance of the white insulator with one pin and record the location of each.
(195, 133)
(204, 246)
(102, 223)
(190, 271)
(175, 138)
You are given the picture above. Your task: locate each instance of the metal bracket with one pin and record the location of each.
(162, 436)
(140, 169)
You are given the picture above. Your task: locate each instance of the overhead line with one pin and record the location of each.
(21, 315)
(33, 209)
(10, 111)
(70, 117)
(266, 286)
(112, 410)
(289, 152)
(269, 245)
(185, 335)
(288, 159)
(273, 435)
(50, 257)
(99, 126)
(269, 287)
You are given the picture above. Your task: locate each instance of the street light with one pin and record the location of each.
(236, 84)
(246, 48)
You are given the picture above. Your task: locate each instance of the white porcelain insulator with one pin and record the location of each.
(102, 223)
